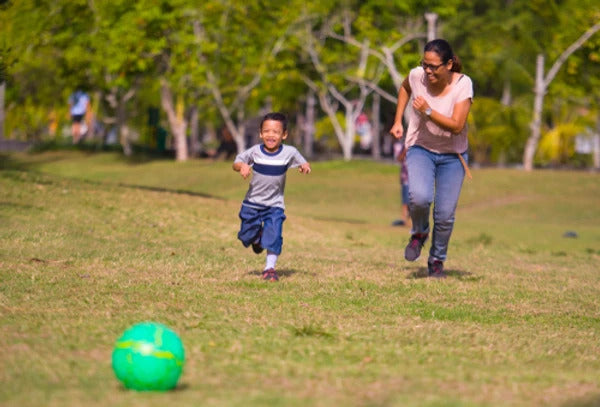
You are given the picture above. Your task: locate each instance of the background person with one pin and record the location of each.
(436, 139)
(400, 158)
(79, 103)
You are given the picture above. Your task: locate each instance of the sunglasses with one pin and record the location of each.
(430, 66)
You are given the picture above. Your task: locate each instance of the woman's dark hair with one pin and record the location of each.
(280, 117)
(444, 50)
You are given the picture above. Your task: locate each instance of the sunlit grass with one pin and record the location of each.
(90, 244)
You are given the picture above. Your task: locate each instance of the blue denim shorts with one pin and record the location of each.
(264, 221)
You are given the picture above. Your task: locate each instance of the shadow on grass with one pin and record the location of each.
(13, 205)
(340, 220)
(281, 272)
(178, 388)
(590, 401)
(171, 191)
(7, 162)
(461, 275)
(140, 155)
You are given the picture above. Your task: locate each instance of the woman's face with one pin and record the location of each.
(434, 67)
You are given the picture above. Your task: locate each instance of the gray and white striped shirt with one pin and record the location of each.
(268, 174)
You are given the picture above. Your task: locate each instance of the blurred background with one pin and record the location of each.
(190, 79)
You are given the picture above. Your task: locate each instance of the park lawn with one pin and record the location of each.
(92, 243)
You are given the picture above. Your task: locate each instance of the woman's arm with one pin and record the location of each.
(455, 123)
(403, 97)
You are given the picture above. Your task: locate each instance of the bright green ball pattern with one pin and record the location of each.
(148, 356)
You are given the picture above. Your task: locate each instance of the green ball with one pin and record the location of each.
(148, 356)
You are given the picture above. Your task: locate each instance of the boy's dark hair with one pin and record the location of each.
(280, 117)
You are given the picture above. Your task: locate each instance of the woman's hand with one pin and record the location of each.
(420, 104)
(397, 130)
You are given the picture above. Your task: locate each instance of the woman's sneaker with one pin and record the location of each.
(436, 269)
(413, 249)
(270, 275)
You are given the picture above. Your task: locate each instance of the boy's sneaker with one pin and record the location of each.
(413, 249)
(256, 247)
(270, 275)
(436, 269)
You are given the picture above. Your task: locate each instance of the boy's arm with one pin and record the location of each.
(304, 168)
(242, 163)
(299, 161)
(244, 169)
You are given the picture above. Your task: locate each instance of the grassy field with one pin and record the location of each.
(90, 244)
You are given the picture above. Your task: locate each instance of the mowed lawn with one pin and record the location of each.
(92, 243)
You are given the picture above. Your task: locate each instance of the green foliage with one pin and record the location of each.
(558, 144)
(325, 133)
(497, 133)
(27, 121)
(114, 48)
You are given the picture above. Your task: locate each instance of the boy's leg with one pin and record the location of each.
(271, 238)
(251, 225)
(269, 272)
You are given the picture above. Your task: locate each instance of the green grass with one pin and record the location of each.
(90, 244)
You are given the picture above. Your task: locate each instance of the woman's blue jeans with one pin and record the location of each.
(434, 178)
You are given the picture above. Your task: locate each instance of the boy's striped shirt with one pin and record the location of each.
(268, 174)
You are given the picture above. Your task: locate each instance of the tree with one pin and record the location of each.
(234, 62)
(38, 64)
(541, 85)
(387, 55)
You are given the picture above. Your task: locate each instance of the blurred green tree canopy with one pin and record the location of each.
(221, 63)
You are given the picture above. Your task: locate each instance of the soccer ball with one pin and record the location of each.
(148, 356)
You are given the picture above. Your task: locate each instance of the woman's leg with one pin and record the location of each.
(421, 175)
(448, 183)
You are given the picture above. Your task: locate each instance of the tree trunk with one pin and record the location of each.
(344, 137)
(536, 122)
(348, 136)
(123, 129)
(431, 26)
(119, 105)
(176, 120)
(2, 93)
(309, 125)
(376, 146)
(195, 144)
(596, 143)
(506, 93)
(239, 132)
(92, 114)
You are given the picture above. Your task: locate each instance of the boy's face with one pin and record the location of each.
(272, 135)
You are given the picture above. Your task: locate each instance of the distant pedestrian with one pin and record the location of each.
(400, 158)
(363, 128)
(437, 147)
(79, 103)
(262, 212)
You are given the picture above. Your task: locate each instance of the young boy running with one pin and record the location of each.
(262, 212)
